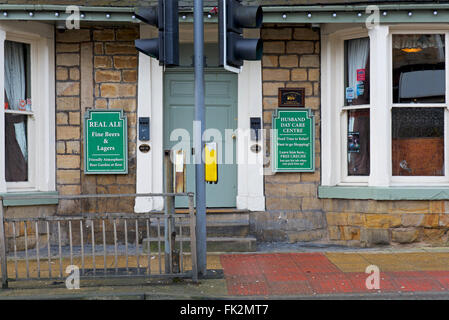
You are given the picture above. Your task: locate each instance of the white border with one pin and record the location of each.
(42, 152)
(250, 179)
(149, 168)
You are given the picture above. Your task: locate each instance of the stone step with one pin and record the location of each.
(214, 244)
(218, 225)
(213, 218)
(226, 232)
(215, 230)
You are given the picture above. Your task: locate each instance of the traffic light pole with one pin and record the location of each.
(199, 127)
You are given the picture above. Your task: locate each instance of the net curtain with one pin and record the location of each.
(15, 86)
(358, 51)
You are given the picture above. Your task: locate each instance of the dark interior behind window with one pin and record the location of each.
(418, 141)
(419, 68)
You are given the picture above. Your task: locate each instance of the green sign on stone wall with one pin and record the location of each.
(105, 142)
(293, 143)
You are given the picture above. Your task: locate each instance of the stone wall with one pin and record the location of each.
(19, 228)
(291, 59)
(95, 68)
(370, 222)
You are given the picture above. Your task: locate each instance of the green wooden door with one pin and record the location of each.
(221, 119)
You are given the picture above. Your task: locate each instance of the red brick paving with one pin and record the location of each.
(313, 273)
(358, 280)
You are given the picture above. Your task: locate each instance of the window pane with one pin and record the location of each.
(16, 148)
(358, 142)
(419, 68)
(418, 141)
(17, 76)
(357, 71)
(18, 98)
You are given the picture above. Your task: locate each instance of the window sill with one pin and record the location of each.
(32, 198)
(384, 193)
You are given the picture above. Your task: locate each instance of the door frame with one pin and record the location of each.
(149, 166)
(208, 70)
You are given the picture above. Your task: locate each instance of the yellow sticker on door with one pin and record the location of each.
(211, 165)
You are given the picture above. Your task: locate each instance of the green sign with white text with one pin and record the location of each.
(293, 143)
(105, 142)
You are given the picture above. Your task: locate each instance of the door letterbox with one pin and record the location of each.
(144, 128)
(255, 126)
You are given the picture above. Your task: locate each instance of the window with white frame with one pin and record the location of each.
(27, 128)
(18, 110)
(384, 106)
(419, 96)
(356, 107)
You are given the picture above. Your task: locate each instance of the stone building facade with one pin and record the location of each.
(291, 59)
(95, 68)
(98, 67)
(294, 210)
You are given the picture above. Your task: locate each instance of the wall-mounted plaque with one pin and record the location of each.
(293, 143)
(291, 97)
(105, 142)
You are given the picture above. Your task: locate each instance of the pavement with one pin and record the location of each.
(281, 273)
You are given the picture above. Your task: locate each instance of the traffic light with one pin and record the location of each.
(164, 16)
(233, 17)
